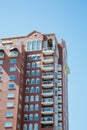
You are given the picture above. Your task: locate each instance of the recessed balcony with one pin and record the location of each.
(47, 93)
(13, 54)
(60, 117)
(48, 67)
(47, 111)
(48, 51)
(49, 59)
(47, 101)
(47, 76)
(59, 99)
(47, 84)
(47, 120)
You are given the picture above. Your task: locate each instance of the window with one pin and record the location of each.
(31, 117)
(13, 60)
(7, 46)
(8, 124)
(10, 95)
(38, 57)
(1, 62)
(0, 69)
(39, 45)
(29, 46)
(36, 107)
(9, 114)
(37, 64)
(27, 81)
(31, 98)
(33, 57)
(25, 127)
(38, 81)
(26, 90)
(36, 116)
(12, 69)
(28, 58)
(37, 72)
(0, 78)
(12, 77)
(37, 89)
(31, 107)
(26, 108)
(30, 127)
(36, 98)
(32, 81)
(35, 126)
(25, 117)
(26, 99)
(11, 86)
(33, 73)
(10, 104)
(33, 65)
(28, 73)
(28, 65)
(34, 45)
(32, 90)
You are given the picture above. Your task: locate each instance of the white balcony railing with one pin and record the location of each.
(48, 67)
(47, 110)
(48, 51)
(49, 59)
(49, 75)
(47, 120)
(47, 84)
(47, 101)
(47, 93)
(13, 53)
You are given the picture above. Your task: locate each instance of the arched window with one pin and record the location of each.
(37, 80)
(27, 90)
(28, 73)
(31, 117)
(25, 117)
(25, 127)
(35, 126)
(32, 81)
(28, 65)
(37, 72)
(30, 127)
(37, 89)
(26, 108)
(31, 107)
(26, 99)
(36, 107)
(36, 98)
(31, 98)
(36, 116)
(32, 90)
(27, 81)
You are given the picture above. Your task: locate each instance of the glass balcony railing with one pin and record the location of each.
(47, 110)
(47, 120)
(47, 93)
(47, 84)
(49, 75)
(47, 101)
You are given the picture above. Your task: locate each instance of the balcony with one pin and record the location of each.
(46, 76)
(47, 84)
(59, 108)
(49, 59)
(47, 93)
(47, 120)
(47, 111)
(48, 67)
(13, 54)
(59, 99)
(60, 126)
(1, 53)
(48, 51)
(59, 116)
(59, 67)
(47, 101)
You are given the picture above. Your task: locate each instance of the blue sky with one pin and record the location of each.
(68, 20)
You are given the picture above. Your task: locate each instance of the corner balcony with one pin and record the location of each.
(47, 84)
(47, 111)
(48, 51)
(48, 67)
(47, 93)
(48, 59)
(47, 76)
(47, 120)
(47, 101)
(13, 54)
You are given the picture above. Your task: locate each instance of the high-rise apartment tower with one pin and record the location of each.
(33, 83)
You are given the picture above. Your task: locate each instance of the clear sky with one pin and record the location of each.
(68, 20)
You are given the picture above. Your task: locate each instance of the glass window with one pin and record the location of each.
(33, 57)
(37, 72)
(39, 45)
(27, 81)
(31, 117)
(26, 108)
(12, 69)
(28, 58)
(10, 95)
(28, 65)
(31, 98)
(26, 90)
(33, 73)
(9, 114)
(28, 73)
(36, 107)
(1, 62)
(34, 45)
(0, 78)
(12, 77)
(37, 64)
(13, 60)
(38, 57)
(7, 46)
(25, 127)
(31, 107)
(35, 126)
(10, 104)
(25, 117)
(32, 81)
(33, 65)
(36, 116)
(37, 80)
(32, 90)
(30, 127)
(37, 89)
(29, 46)
(11, 86)
(8, 124)
(36, 98)
(26, 99)
(0, 69)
